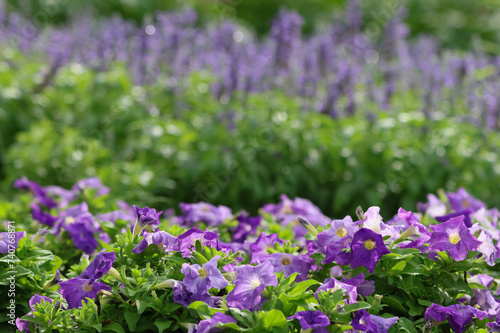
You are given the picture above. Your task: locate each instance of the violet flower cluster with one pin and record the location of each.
(325, 70)
(242, 271)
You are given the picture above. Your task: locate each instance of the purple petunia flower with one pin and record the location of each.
(258, 249)
(101, 264)
(10, 240)
(207, 325)
(199, 279)
(92, 183)
(363, 321)
(466, 214)
(183, 296)
(458, 315)
(461, 200)
(367, 248)
(186, 241)
(147, 216)
(76, 290)
(40, 194)
(311, 319)
(24, 325)
(246, 226)
(453, 236)
(250, 282)
(332, 284)
(363, 287)
(488, 249)
(290, 263)
(42, 216)
(332, 241)
(163, 239)
(434, 207)
(204, 212)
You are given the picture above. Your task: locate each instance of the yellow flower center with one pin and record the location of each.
(369, 244)
(341, 232)
(454, 238)
(255, 282)
(286, 260)
(87, 287)
(69, 220)
(202, 272)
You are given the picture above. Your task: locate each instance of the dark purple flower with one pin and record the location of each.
(83, 237)
(465, 213)
(183, 296)
(186, 241)
(204, 212)
(24, 325)
(147, 216)
(250, 282)
(42, 216)
(246, 226)
(311, 319)
(332, 241)
(101, 264)
(453, 236)
(458, 315)
(163, 239)
(199, 279)
(39, 193)
(291, 263)
(208, 325)
(9, 241)
(367, 248)
(363, 287)
(363, 321)
(76, 290)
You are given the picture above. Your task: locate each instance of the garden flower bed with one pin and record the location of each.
(98, 265)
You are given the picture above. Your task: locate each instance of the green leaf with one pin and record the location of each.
(162, 324)
(399, 266)
(356, 306)
(115, 327)
(405, 325)
(132, 318)
(475, 285)
(394, 304)
(301, 287)
(273, 318)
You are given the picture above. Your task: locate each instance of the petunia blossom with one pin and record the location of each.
(186, 242)
(291, 263)
(77, 290)
(9, 241)
(204, 212)
(208, 325)
(163, 239)
(458, 315)
(453, 236)
(24, 325)
(367, 248)
(250, 282)
(365, 322)
(199, 279)
(311, 319)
